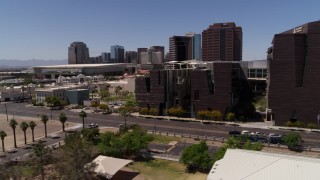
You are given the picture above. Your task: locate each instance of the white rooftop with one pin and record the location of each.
(109, 166)
(253, 165)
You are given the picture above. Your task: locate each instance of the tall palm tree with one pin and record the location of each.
(44, 120)
(24, 126)
(83, 114)
(32, 125)
(13, 124)
(63, 118)
(2, 136)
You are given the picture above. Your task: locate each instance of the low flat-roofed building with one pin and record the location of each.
(253, 165)
(77, 96)
(60, 92)
(86, 69)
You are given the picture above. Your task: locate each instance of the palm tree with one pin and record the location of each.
(32, 125)
(45, 119)
(24, 126)
(83, 114)
(125, 112)
(118, 89)
(2, 136)
(63, 118)
(13, 124)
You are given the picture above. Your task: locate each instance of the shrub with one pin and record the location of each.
(144, 111)
(154, 112)
(312, 126)
(216, 115)
(300, 124)
(230, 116)
(204, 115)
(292, 140)
(176, 111)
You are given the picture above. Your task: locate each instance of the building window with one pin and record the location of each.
(196, 95)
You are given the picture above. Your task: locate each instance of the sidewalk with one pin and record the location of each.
(260, 125)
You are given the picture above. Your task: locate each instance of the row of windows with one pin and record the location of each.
(257, 73)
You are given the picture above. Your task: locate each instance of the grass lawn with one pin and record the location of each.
(162, 139)
(163, 169)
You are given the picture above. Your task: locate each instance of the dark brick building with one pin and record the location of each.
(222, 41)
(294, 74)
(218, 86)
(180, 48)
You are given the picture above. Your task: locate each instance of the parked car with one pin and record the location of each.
(93, 125)
(245, 132)
(234, 133)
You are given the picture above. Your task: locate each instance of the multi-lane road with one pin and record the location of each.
(220, 131)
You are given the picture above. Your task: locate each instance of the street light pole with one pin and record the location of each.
(318, 117)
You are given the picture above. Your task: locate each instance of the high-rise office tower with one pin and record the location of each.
(105, 57)
(293, 75)
(78, 53)
(222, 42)
(180, 48)
(140, 50)
(131, 57)
(151, 55)
(196, 45)
(117, 54)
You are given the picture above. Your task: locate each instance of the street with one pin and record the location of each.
(113, 120)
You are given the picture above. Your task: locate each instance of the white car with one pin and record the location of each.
(245, 132)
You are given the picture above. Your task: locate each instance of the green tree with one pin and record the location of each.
(104, 93)
(13, 124)
(117, 90)
(91, 135)
(130, 102)
(63, 119)
(41, 156)
(95, 104)
(32, 125)
(126, 144)
(83, 115)
(2, 136)
(125, 112)
(292, 140)
(197, 157)
(77, 155)
(24, 126)
(44, 120)
(104, 107)
(53, 101)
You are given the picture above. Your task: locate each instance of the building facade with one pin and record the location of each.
(293, 70)
(78, 53)
(193, 86)
(196, 45)
(180, 48)
(152, 56)
(222, 42)
(131, 57)
(117, 54)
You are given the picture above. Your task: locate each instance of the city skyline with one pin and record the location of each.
(44, 30)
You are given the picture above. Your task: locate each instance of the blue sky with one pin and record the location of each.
(39, 29)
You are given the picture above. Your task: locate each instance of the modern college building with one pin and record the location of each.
(294, 74)
(194, 86)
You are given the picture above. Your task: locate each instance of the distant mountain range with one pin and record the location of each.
(6, 63)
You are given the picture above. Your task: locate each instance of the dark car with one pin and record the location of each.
(234, 133)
